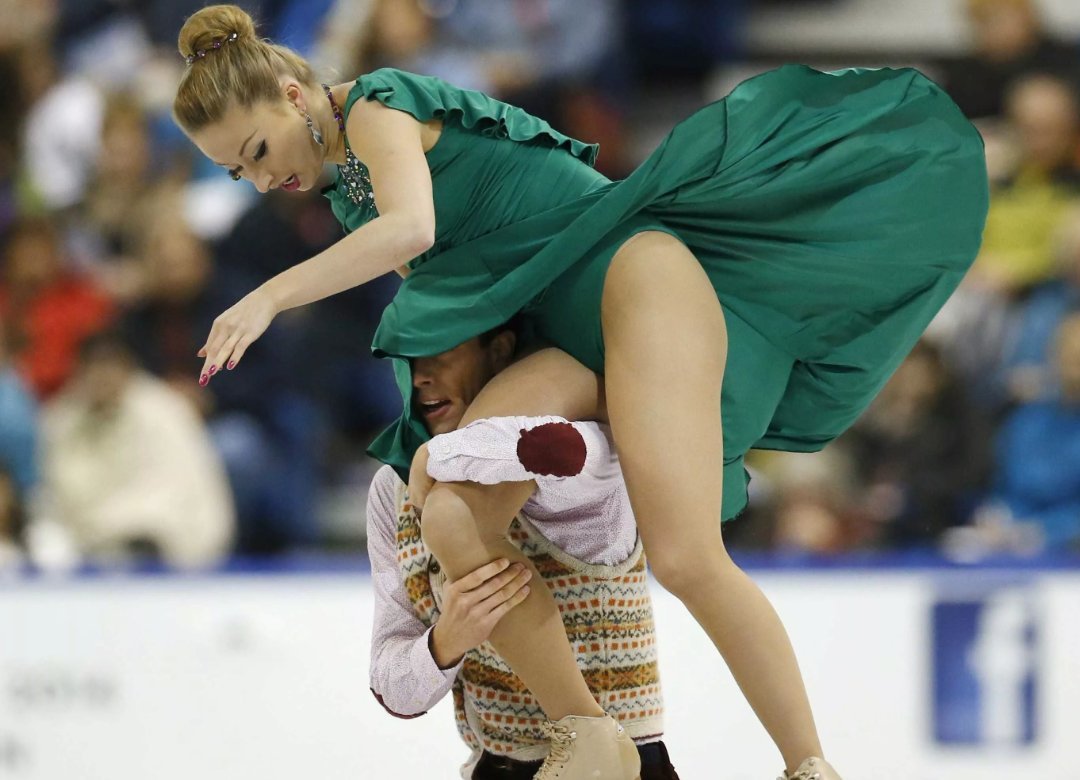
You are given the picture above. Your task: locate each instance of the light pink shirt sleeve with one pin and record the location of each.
(580, 502)
(404, 676)
(492, 451)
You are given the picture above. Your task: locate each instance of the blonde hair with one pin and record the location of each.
(224, 70)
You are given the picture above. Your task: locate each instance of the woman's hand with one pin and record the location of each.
(473, 606)
(234, 331)
(419, 482)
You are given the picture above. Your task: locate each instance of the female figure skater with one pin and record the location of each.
(753, 283)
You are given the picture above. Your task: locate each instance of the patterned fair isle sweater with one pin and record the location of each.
(579, 533)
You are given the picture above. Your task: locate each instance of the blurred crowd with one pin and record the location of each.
(119, 245)
(973, 447)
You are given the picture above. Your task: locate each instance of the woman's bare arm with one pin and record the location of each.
(390, 143)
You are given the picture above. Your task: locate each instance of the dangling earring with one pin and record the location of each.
(314, 130)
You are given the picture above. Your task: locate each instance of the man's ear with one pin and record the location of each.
(503, 347)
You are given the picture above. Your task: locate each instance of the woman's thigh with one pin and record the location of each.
(666, 347)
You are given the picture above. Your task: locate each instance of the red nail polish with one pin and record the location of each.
(203, 380)
(231, 365)
(213, 370)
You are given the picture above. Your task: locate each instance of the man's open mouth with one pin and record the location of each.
(428, 408)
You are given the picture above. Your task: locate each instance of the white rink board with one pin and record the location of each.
(266, 677)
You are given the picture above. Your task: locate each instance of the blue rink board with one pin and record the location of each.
(356, 564)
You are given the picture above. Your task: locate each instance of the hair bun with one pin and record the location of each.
(214, 23)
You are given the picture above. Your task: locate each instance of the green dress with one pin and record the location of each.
(834, 214)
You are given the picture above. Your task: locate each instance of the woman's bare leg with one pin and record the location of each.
(465, 525)
(666, 347)
(548, 381)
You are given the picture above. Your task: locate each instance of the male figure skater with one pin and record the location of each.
(577, 532)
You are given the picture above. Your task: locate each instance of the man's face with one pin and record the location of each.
(444, 385)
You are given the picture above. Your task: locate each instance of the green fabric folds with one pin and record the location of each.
(834, 214)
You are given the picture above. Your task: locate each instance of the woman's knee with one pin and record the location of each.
(446, 521)
(682, 569)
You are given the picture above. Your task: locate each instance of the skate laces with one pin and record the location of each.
(561, 738)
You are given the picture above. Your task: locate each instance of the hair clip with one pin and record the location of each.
(217, 44)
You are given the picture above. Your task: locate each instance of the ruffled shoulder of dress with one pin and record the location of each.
(426, 97)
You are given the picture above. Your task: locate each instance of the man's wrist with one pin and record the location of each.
(444, 660)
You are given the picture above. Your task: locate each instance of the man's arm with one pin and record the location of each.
(413, 667)
(404, 676)
(572, 464)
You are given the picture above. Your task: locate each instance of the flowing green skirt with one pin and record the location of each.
(834, 214)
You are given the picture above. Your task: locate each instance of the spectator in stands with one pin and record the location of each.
(1027, 212)
(11, 521)
(25, 21)
(1030, 365)
(129, 466)
(558, 59)
(61, 129)
(1009, 41)
(46, 308)
(10, 116)
(18, 425)
(266, 432)
(18, 456)
(403, 34)
(683, 40)
(554, 58)
(120, 198)
(344, 35)
(811, 501)
(505, 49)
(1038, 454)
(921, 452)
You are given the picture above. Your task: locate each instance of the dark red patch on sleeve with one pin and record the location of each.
(552, 449)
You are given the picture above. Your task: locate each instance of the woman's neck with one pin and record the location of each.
(323, 117)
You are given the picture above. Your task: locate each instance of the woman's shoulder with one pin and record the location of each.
(422, 96)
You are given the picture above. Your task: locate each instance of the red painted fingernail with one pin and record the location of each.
(231, 365)
(213, 370)
(204, 379)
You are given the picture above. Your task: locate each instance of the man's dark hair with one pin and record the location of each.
(513, 325)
